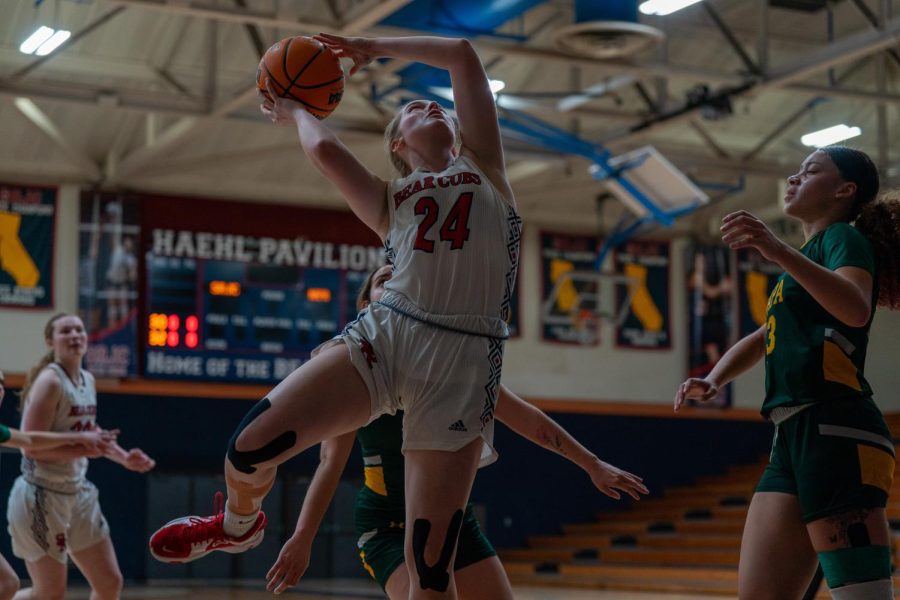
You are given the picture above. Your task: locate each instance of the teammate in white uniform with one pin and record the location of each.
(95, 441)
(432, 346)
(53, 510)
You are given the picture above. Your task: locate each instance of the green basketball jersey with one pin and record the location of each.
(381, 442)
(4, 434)
(810, 354)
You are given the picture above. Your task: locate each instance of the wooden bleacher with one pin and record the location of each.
(687, 541)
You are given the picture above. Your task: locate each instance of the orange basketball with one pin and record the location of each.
(303, 69)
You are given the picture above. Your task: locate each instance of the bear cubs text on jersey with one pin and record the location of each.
(430, 182)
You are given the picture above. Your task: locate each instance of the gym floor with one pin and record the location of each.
(347, 590)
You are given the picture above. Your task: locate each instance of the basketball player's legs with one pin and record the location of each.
(48, 580)
(437, 488)
(845, 472)
(484, 580)
(324, 398)
(99, 566)
(854, 548)
(397, 586)
(478, 572)
(9, 581)
(777, 559)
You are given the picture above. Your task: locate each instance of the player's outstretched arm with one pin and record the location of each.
(133, 460)
(738, 359)
(365, 192)
(293, 559)
(96, 441)
(534, 425)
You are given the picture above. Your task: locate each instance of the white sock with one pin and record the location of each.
(236, 525)
(882, 589)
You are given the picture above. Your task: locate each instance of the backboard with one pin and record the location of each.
(652, 175)
(580, 299)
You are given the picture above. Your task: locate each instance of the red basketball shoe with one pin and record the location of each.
(190, 538)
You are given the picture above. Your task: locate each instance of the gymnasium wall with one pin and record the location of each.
(527, 491)
(539, 369)
(533, 368)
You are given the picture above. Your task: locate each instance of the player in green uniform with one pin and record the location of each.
(380, 504)
(96, 441)
(824, 492)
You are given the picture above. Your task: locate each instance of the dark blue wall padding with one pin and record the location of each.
(528, 491)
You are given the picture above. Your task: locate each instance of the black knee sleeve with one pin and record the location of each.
(244, 461)
(436, 576)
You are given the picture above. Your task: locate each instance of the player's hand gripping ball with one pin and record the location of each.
(303, 69)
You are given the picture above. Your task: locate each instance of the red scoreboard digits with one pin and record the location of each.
(172, 331)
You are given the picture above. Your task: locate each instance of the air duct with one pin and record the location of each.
(606, 30)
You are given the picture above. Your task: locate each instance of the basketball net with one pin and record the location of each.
(587, 324)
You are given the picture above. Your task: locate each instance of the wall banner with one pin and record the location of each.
(648, 321)
(572, 303)
(108, 238)
(27, 240)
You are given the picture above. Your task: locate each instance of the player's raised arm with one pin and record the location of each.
(365, 192)
(474, 102)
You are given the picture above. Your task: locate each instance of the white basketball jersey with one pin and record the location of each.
(76, 411)
(453, 241)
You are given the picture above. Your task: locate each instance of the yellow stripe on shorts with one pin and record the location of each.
(876, 467)
(375, 480)
(369, 570)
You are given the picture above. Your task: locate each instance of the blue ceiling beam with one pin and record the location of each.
(460, 17)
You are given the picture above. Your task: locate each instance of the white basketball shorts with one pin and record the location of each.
(46, 523)
(442, 371)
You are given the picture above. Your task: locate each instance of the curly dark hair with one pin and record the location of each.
(880, 222)
(877, 219)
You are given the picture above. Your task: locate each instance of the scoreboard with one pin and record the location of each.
(229, 320)
(242, 292)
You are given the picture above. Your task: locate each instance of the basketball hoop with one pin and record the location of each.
(594, 301)
(587, 324)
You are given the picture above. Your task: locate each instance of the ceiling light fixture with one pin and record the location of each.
(44, 41)
(447, 93)
(664, 7)
(830, 135)
(54, 42)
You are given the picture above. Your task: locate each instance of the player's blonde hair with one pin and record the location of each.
(390, 134)
(45, 360)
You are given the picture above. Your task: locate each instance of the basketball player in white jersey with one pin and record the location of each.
(432, 345)
(53, 510)
(94, 441)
